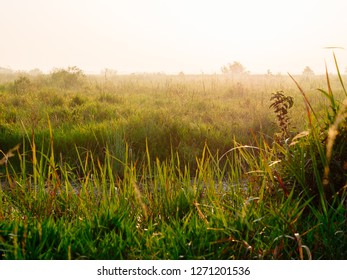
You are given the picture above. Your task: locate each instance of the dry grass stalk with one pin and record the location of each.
(201, 215)
(140, 201)
(8, 155)
(300, 247)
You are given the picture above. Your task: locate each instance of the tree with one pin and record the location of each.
(236, 69)
(308, 71)
(5, 70)
(69, 78)
(35, 72)
(22, 85)
(107, 73)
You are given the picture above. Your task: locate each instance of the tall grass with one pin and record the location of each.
(168, 192)
(182, 112)
(156, 211)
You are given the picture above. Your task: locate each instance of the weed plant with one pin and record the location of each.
(154, 168)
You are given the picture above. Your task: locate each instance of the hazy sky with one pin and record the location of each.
(169, 36)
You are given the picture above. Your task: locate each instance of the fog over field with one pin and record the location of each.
(173, 160)
(172, 36)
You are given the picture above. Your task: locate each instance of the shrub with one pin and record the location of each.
(22, 85)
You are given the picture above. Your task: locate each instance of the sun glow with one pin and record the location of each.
(172, 36)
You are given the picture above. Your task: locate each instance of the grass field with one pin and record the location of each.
(172, 167)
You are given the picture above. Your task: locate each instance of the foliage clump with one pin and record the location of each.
(235, 69)
(281, 105)
(70, 78)
(21, 85)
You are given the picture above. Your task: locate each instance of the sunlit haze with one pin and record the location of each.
(170, 36)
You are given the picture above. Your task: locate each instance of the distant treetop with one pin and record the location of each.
(308, 71)
(235, 69)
